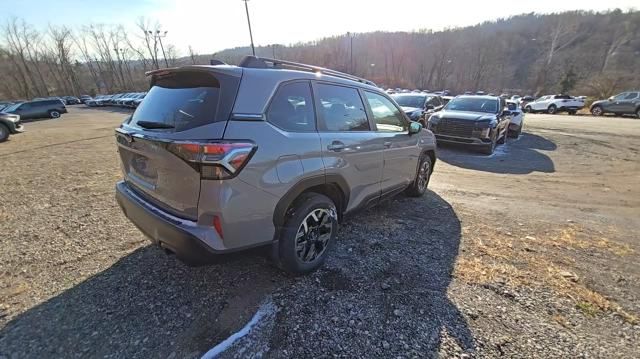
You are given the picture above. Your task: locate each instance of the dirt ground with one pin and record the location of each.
(532, 252)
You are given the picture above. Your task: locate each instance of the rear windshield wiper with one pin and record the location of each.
(151, 124)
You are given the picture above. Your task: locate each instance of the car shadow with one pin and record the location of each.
(147, 304)
(388, 274)
(384, 290)
(518, 156)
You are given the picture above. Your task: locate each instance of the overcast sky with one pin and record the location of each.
(213, 25)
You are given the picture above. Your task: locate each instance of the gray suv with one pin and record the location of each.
(626, 103)
(46, 108)
(223, 158)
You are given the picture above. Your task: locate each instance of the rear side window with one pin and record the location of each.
(179, 101)
(631, 96)
(342, 108)
(292, 108)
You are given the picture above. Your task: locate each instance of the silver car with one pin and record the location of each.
(223, 158)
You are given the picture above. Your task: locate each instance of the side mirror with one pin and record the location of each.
(611, 98)
(415, 127)
(506, 113)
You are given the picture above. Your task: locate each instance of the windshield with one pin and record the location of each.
(180, 102)
(410, 101)
(11, 107)
(470, 104)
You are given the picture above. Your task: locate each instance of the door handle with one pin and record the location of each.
(336, 146)
(387, 144)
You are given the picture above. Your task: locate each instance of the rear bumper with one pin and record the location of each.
(184, 238)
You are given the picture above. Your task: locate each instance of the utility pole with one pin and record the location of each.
(246, 7)
(350, 52)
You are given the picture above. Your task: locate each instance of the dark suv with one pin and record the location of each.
(418, 106)
(222, 158)
(626, 103)
(480, 121)
(38, 109)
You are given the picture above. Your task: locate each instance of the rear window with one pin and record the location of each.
(180, 101)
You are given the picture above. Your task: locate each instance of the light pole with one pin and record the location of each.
(350, 52)
(246, 8)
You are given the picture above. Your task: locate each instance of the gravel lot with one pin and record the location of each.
(532, 252)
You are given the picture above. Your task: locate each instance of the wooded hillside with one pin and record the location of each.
(584, 53)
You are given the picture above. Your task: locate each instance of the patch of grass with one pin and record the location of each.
(587, 308)
(491, 257)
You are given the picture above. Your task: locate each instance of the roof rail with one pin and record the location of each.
(261, 63)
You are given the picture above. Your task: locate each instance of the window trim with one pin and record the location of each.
(393, 103)
(313, 104)
(321, 124)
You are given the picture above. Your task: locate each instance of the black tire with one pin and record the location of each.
(552, 109)
(490, 148)
(597, 111)
(516, 133)
(423, 175)
(4, 132)
(638, 112)
(54, 114)
(529, 109)
(290, 250)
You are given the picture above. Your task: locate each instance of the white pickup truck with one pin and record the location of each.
(554, 104)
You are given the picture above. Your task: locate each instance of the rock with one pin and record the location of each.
(385, 344)
(531, 238)
(397, 312)
(569, 275)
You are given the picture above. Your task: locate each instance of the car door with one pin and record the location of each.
(350, 148)
(541, 103)
(401, 150)
(26, 110)
(628, 103)
(614, 104)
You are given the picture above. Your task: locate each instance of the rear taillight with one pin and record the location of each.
(217, 160)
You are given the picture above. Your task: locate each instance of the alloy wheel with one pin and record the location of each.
(313, 235)
(423, 176)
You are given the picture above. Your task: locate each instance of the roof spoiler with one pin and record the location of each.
(263, 63)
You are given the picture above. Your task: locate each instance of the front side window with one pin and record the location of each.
(342, 108)
(620, 96)
(434, 101)
(386, 116)
(292, 108)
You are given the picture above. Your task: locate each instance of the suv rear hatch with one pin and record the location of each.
(184, 107)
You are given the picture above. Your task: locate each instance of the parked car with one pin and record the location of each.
(222, 158)
(98, 101)
(9, 125)
(85, 98)
(555, 103)
(37, 109)
(71, 100)
(135, 103)
(516, 99)
(525, 100)
(626, 103)
(475, 120)
(516, 124)
(418, 106)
